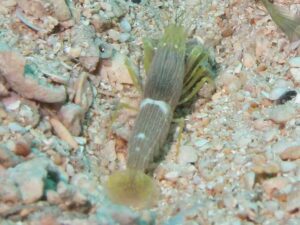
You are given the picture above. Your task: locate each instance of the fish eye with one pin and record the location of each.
(102, 49)
(106, 51)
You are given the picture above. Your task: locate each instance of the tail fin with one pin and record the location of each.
(290, 25)
(133, 188)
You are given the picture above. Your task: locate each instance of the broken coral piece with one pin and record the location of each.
(37, 15)
(22, 79)
(7, 157)
(32, 178)
(115, 70)
(53, 69)
(63, 133)
(61, 10)
(83, 39)
(84, 92)
(23, 111)
(43, 15)
(41, 8)
(71, 115)
(34, 7)
(3, 90)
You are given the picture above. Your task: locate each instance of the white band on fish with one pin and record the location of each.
(141, 136)
(162, 105)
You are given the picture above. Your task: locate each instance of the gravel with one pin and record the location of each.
(63, 75)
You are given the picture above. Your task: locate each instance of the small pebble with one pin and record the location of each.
(125, 25)
(74, 52)
(273, 184)
(270, 134)
(9, 3)
(277, 92)
(197, 180)
(32, 189)
(12, 105)
(227, 31)
(85, 182)
(101, 22)
(53, 197)
(282, 113)
(261, 46)
(201, 143)
(7, 157)
(294, 62)
(295, 72)
(266, 169)
(172, 176)
(282, 83)
(109, 152)
(105, 6)
(9, 192)
(279, 214)
(282, 145)
(287, 166)
(80, 140)
(249, 60)
(29, 177)
(16, 127)
(291, 153)
(293, 200)
(3, 130)
(124, 37)
(71, 115)
(117, 71)
(114, 35)
(242, 138)
(249, 180)
(261, 68)
(187, 154)
(70, 170)
(79, 198)
(231, 82)
(119, 9)
(22, 148)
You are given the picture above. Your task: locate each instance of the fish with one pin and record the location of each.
(161, 94)
(176, 71)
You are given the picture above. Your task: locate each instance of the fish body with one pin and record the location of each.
(178, 69)
(162, 92)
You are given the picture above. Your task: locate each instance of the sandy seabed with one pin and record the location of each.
(63, 73)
